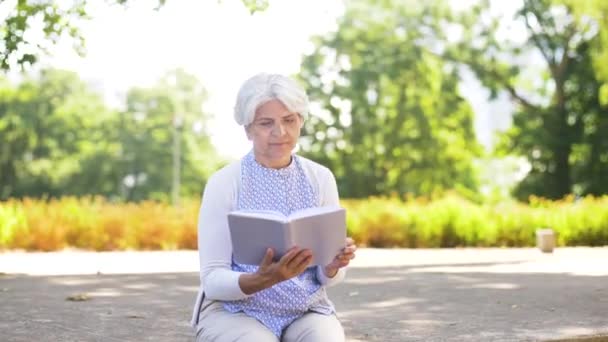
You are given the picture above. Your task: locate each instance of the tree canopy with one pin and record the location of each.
(559, 120)
(58, 138)
(30, 29)
(389, 117)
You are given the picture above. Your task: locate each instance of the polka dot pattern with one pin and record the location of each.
(285, 190)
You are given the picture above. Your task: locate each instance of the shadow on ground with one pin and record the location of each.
(374, 304)
(413, 304)
(143, 307)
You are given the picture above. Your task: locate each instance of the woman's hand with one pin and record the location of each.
(294, 262)
(342, 259)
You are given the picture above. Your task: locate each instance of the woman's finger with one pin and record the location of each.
(346, 256)
(304, 263)
(289, 255)
(267, 260)
(299, 258)
(350, 249)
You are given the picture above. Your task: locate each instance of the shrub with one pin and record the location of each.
(452, 221)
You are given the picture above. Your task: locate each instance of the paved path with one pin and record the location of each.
(389, 295)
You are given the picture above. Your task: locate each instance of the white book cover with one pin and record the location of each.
(320, 229)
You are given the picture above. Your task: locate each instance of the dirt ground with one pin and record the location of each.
(388, 295)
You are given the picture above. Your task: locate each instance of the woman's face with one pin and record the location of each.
(274, 133)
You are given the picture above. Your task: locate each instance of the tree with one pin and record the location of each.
(58, 138)
(31, 28)
(559, 119)
(46, 125)
(153, 118)
(597, 11)
(389, 117)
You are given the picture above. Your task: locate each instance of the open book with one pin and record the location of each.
(320, 229)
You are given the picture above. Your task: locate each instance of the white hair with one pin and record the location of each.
(264, 87)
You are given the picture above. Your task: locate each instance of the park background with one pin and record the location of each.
(447, 124)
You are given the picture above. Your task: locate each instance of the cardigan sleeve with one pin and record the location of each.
(328, 191)
(219, 281)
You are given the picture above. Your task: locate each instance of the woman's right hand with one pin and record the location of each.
(293, 263)
(271, 272)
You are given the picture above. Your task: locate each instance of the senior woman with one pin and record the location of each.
(283, 300)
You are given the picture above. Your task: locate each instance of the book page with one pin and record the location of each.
(251, 236)
(324, 234)
(263, 214)
(313, 212)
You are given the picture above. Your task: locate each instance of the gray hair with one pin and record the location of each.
(262, 88)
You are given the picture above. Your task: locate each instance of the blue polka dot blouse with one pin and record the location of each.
(285, 190)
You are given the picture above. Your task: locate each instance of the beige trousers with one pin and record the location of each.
(216, 324)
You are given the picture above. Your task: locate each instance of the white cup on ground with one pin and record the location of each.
(545, 240)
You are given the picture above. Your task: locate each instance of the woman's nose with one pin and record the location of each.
(279, 129)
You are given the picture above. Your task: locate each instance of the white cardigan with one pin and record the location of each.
(218, 280)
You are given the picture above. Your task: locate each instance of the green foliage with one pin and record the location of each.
(59, 139)
(256, 5)
(31, 28)
(146, 130)
(452, 221)
(45, 124)
(560, 119)
(597, 12)
(12, 219)
(390, 117)
(52, 22)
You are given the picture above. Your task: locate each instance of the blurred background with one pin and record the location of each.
(447, 123)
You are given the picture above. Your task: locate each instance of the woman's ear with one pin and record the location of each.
(248, 131)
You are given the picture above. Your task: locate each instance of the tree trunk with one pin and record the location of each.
(563, 147)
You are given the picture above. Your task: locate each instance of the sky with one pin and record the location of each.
(222, 44)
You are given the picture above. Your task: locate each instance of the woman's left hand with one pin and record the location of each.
(342, 259)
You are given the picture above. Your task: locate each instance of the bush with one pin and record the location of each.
(452, 221)
(96, 224)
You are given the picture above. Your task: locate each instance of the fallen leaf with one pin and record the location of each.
(135, 316)
(81, 297)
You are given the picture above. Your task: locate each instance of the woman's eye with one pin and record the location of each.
(266, 123)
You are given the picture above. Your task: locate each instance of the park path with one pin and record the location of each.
(388, 295)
